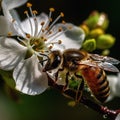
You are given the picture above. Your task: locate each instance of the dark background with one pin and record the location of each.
(51, 105)
(78, 10)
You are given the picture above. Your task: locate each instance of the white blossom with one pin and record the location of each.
(36, 37)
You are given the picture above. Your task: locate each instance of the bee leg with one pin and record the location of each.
(66, 81)
(79, 89)
(57, 73)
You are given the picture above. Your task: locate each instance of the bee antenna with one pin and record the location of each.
(41, 61)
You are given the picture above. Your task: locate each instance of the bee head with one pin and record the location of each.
(71, 58)
(54, 61)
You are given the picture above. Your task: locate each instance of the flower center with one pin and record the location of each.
(42, 35)
(37, 44)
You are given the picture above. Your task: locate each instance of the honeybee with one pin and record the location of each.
(86, 69)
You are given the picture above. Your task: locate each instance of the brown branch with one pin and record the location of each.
(112, 114)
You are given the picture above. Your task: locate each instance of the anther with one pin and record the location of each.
(45, 39)
(63, 22)
(43, 30)
(62, 14)
(9, 33)
(25, 12)
(47, 28)
(42, 51)
(59, 29)
(50, 47)
(42, 23)
(52, 9)
(28, 35)
(42, 38)
(50, 32)
(59, 41)
(29, 4)
(36, 43)
(35, 12)
(69, 27)
(13, 20)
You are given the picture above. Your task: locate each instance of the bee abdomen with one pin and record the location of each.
(103, 89)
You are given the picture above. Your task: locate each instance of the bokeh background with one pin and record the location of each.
(51, 105)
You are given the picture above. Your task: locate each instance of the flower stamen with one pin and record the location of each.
(61, 15)
(35, 22)
(31, 27)
(41, 30)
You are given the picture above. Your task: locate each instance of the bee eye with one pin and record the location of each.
(54, 61)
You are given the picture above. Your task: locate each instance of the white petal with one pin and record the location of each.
(11, 53)
(112, 79)
(6, 26)
(29, 78)
(13, 3)
(72, 38)
(118, 117)
(7, 5)
(26, 26)
(118, 85)
(6, 11)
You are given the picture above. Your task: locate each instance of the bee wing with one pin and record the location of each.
(89, 63)
(107, 59)
(103, 65)
(108, 67)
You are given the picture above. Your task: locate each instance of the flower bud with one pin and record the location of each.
(106, 52)
(96, 32)
(85, 28)
(105, 41)
(97, 19)
(89, 45)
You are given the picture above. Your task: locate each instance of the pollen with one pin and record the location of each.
(28, 35)
(59, 41)
(42, 23)
(69, 27)
(50, 32)
(25, 12)
(43, 30)
(62, 14)
(50, 47)
(13, 20)
(60, 29)
(45, 39)
(35, 12)
(42, 38)
(42, 51)
(63, 22)
(9, 33)
(29, 4)
(52, 9)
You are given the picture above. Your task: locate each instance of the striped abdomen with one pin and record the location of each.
(97, 82)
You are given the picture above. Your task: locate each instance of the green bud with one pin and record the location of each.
(97, 19)
(89, 45)
(106, 52)
(105, 41)
(96, 32)
(85, 28)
